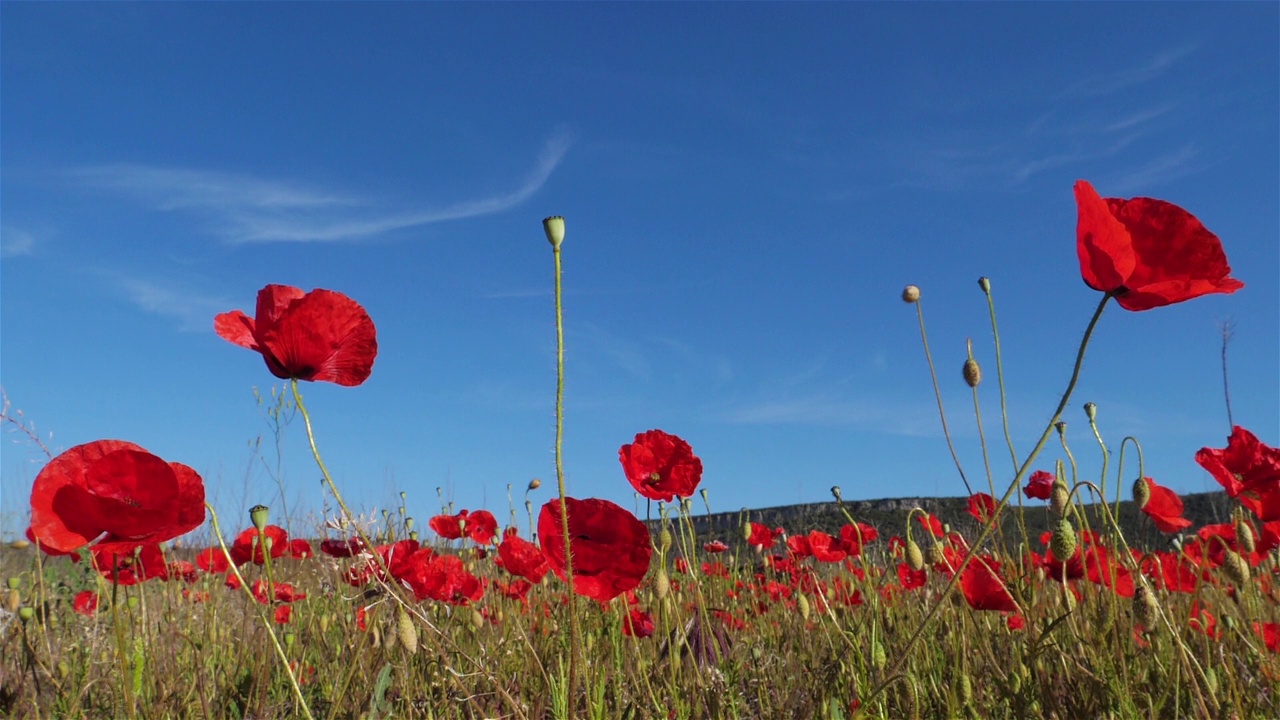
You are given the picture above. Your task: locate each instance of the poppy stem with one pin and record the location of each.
(991, 523)
(575, 632)
(924, 338)
(262, 613)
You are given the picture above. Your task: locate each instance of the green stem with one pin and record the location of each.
(924, 338)
(262, 613)
(1004, 501)
(575, 632)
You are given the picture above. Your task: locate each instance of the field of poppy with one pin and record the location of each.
(109, 611)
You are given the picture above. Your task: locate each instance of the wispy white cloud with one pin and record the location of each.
(248, 209)
(1114, 82)
(1169, 166)
(1141, 117)
(193, 311)
(15, 242)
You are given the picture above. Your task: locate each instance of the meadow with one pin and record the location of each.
(110, 610)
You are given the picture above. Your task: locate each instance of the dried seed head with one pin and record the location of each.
(1236, 568)
(910, 294)
(972, 373)
(1063, 541)
(1146, 609)
(554, 228)
(535, 483)
(1141, 492)
(915, 558)
(407, 630)
(835, 492)
(19, 544)
(985, 283)
(1091, 411)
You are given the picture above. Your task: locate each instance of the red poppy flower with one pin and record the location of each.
(115, 489)
(86, 603)
(910, 579)
(983, 588)
(182, 570)
(248, 546)
(637, 623)
(341, 548)
(981, 506)
(1269, 633)
(283, 614)
(441, 577)
(1165, 508)
(1102, 569)
(321, 335)
(824, 547)
(610, 547)
(1147, 253)
(1248, 470)
(129, 565)
(480, 526)
(761, 536)
(212, 560)
(715, 547)
(1039, 485)
(523, 558)
(299, 549)
(660, 466)
(931, 523)
(854, 536)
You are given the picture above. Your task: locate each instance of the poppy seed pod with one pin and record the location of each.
(936, 556)
(554, 228)
(985, 283)
(535, 483)
(1091, 411)
(972, 373)
(910, 294)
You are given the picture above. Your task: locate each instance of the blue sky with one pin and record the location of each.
(747, 189)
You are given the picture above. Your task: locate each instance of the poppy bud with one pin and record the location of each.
(802, 603)
(915, 559)
(1091, 411)
(19, 544)
(972, 373)
(985, 283)
(1244, 534)
(324, 623)
(407, 631)
(26, 613)
(1211, 681)
(1146, 610)
(63, 669)
(664, 540)
(1059, 496)
(1015, 680)
(1063, 541)
(1236, 568)
(746, 532)
(1141, 492)
(413, 535)
(13, 601)
(662, 584)
(966, 690)
(408, 523)
(910, 294)
(554, 228)
(534, 484)
(14, 582)
(258, 515)
(289, 639)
